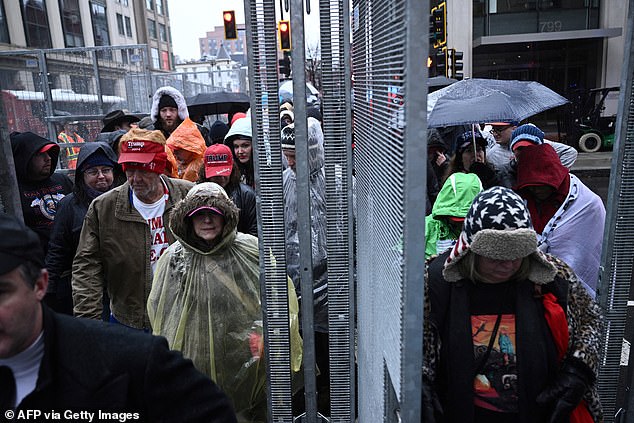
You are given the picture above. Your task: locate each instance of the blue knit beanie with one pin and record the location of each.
(527, 132)
(98, 158)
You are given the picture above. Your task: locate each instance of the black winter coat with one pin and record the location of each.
(69, 220)
(91, 366)
(244, 198)
(39, 198)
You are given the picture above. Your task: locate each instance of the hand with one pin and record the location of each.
(566, 392)
(256, 344)
(440, 158)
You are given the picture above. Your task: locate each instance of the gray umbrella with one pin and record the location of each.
(472, 101)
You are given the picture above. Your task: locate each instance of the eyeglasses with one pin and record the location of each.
(95, 172)
(499, 129)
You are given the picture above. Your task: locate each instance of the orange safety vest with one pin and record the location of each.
(72, 152)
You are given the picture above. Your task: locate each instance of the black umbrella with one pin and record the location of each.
(217, 103)
(472, 101)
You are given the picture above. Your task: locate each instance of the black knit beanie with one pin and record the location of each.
(167, 101)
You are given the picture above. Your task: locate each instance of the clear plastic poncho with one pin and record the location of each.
(206, 302)
(317, 184)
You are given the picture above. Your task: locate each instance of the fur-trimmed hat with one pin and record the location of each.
(178, 98)
(498, 226)
(527, 134)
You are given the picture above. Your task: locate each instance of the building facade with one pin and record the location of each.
(45, 24)
(564, 44)
(212, 41)
(153, 29)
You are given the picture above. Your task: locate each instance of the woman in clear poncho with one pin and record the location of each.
(205, 299)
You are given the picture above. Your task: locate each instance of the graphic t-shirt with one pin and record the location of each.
(495, 348)
(153, 215)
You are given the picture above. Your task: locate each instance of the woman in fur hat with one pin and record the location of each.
(205, 299)
(510, 333)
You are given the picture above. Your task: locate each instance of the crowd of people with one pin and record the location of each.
(158, 236)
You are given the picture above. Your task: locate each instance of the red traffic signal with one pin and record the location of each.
(231, 30)
(285, 35)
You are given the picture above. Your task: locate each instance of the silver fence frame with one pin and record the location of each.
(615, 294)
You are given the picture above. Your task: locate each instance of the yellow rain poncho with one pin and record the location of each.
(206, 302)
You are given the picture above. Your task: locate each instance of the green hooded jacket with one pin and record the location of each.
(454, 199)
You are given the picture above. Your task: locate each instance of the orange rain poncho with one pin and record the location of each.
(188, 146)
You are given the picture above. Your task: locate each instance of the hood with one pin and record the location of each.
(205, 194)
(456, 195)
(178, 98)
(187, 137)
(315, 145)
(434, 139)
(540, 165)
(241, 127)
(89, 148)
(24, 146)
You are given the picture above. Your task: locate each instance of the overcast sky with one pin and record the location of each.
(191, 22)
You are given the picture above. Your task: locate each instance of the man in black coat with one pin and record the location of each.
(58, 364)
(41, 188)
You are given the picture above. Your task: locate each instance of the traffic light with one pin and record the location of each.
(455, 58)
(441, 63)
(285, 35)
(432, 30)
(439, 14)
(285, 65)
(231, 30)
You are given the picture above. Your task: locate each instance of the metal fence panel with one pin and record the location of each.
(389, 47)
(43, 91)
(615, 289)
(261, 35)
(335, 51)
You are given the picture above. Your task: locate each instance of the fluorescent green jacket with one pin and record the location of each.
(454, 199)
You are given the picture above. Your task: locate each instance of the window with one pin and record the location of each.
(4, 28)
(155, 58)
(151, 28)
(100, 27)
(71, 23)
(120, 24)
(36, 23)
(149, 4)
(163, 32)
(128, 26)
(165, 60)
(159, 7)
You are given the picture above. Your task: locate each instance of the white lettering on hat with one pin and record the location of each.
(217, 158)
(135, 145)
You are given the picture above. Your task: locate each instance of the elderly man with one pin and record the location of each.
(55, 363)
(124, 233)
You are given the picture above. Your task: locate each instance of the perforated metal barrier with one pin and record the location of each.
(388, 54)
(335, 51)
(615, 294)
(261, 33)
